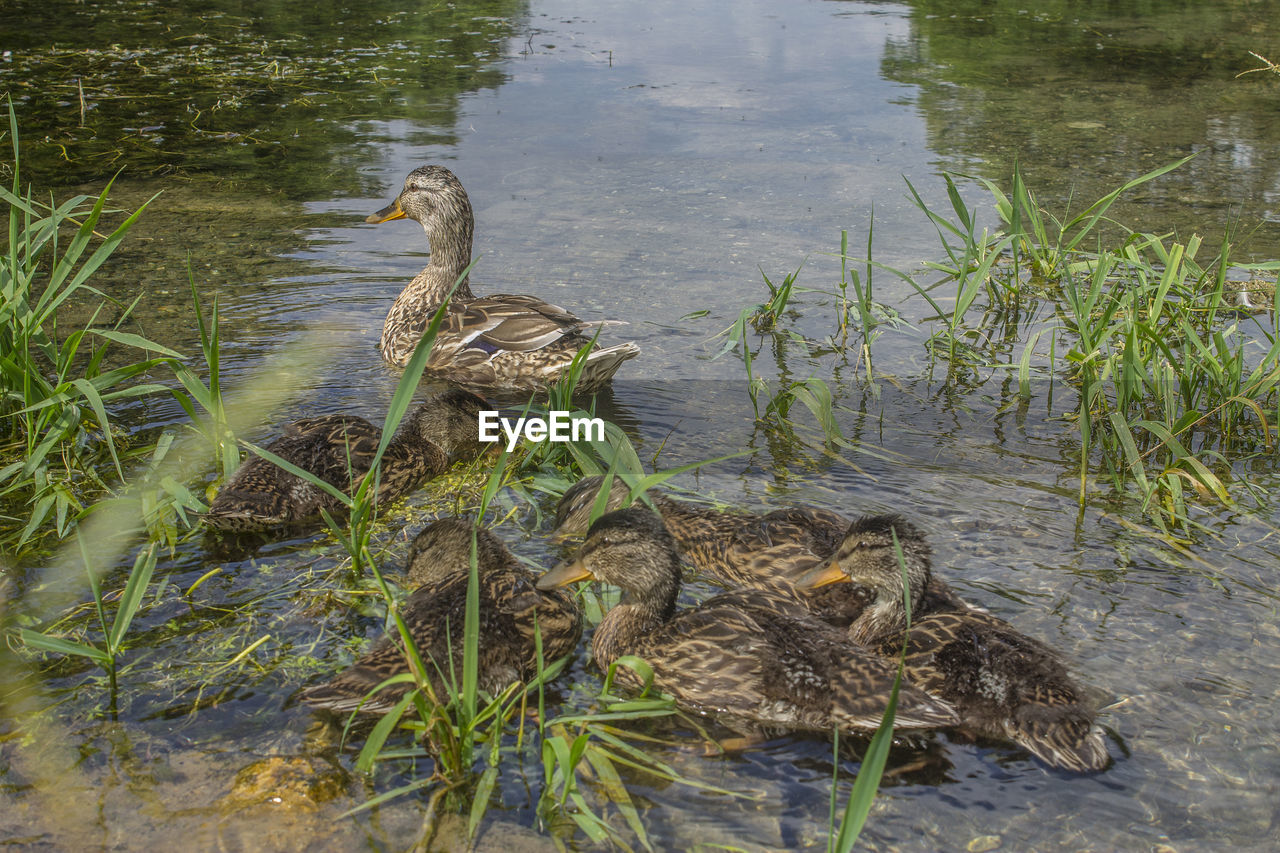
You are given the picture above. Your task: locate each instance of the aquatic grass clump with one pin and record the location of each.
(1173, 388)
(55, 388)
(774, 402)
(214, 424)
(590, 745)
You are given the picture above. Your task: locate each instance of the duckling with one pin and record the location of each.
(505, 342)
(737, 549)
(1000, 681)
(339, 449)
(511, 611)
(754, 656)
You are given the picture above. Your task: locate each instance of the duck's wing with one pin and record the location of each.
(483, 327)
(520, 343)
(757, 654)
(324, 426)
(818, 529)
(336, 448)
(817, 667)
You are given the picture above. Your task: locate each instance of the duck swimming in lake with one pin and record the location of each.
(1000, 681)
(339, 449)
(503, 342)
(512, 612)
(754, 656)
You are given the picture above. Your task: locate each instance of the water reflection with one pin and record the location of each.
(1084, 97)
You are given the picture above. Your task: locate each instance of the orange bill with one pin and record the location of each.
(564, 574)
(391, 211)
(828, 573)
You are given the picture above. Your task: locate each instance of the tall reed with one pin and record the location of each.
(55, 390)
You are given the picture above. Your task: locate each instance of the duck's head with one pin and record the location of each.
(451, 421)
(867, 556)
(434, 198)
(628, 548)
(443, 548)
(573, 513)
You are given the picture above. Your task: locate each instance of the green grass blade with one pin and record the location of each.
(136, 341)
(413, 370)
(480, 800)
(134, 590)
(36, 640)
(99, 410)
(617, 793)
(381, 731)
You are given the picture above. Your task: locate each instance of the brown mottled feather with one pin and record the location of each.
(501, 341)
(512, 610)
(339, 450)
(755, 655)
(1001, 681)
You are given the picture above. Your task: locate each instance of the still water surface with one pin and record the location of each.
(645, 166)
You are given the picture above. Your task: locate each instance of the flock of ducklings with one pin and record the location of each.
(813, 620)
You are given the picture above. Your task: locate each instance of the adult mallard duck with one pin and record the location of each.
(512, 612)
(339, 449)
(500, 341)
(754, 656)
(737, 549)
(1000, 681)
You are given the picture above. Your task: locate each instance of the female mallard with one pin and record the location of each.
(753, 655)
(501, 341)
(1000, 681)
(339, 449)
(512, 612)
(738, 549)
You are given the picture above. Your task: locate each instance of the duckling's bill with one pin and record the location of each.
(564, 574)
(828, 573)
(391, 211)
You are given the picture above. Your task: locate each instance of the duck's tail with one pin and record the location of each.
(1061, 738)
(602, 363)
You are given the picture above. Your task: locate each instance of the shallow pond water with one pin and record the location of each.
(648, 166)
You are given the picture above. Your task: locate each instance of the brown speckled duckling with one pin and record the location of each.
(750, 655)
(511, 611)
(338, 449)
(1000, 681)
(500, 341)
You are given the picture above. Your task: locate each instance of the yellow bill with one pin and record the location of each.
(828, 573)
(391, 211)
(564, 574)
